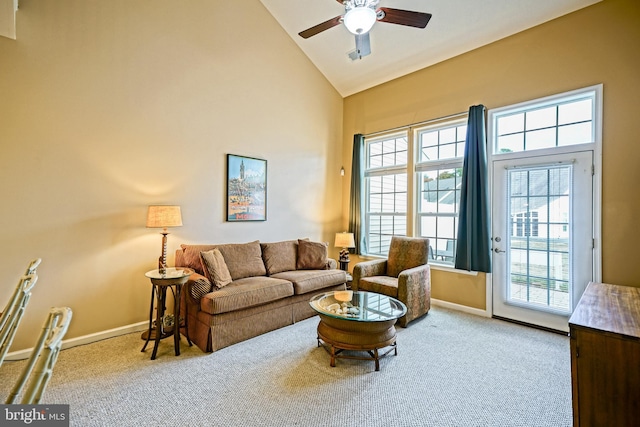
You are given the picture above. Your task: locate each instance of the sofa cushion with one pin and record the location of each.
(245, 293)
(279, 256)
(215, 268)
(311, 255)
(305, 281)
(243, 259)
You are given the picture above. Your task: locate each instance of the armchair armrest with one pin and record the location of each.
(414, 290)
(332, 264)
(376, 267)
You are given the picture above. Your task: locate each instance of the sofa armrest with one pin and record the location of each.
(376, 267)
(197, 287)
(332, 264)
(414, 290)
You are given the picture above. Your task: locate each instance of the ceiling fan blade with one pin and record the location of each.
(320, 27)
(363, 47)
(405, 17)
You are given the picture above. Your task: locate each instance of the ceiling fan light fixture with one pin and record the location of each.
(360, 19)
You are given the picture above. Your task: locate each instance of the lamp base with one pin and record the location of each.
(162, 261)
(344, 255)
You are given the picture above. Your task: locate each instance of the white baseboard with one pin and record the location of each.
(85, 339)
(460, 307)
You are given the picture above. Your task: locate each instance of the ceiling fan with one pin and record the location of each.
(359, 17)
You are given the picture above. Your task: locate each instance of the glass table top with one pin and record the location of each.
(169, 273)
(358, 306)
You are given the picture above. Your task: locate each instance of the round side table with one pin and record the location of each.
(174, 278)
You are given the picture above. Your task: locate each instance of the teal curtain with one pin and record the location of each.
(355, 200)
(473, 249)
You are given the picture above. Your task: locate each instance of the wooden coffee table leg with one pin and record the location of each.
(377, 359)
(333, 357)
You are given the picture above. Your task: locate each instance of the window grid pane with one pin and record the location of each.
(446, 142)
(560, 124)
(387, 153)
(386, 194)
(439, 189)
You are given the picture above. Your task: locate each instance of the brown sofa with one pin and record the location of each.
(269, 287)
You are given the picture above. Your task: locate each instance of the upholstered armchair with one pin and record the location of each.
(404, 275)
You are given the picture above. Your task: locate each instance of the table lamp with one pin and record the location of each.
(163, 217)
(345, 241)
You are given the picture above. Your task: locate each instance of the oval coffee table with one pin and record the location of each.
(357, 321)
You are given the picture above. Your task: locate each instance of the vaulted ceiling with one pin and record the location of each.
(456, 27)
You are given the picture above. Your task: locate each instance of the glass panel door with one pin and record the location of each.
(542, 237)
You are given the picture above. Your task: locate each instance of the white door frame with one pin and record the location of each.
(596, 146)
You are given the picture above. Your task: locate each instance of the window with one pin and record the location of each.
(549, 124)
(439, 175)
(437, 161)
(386, 191)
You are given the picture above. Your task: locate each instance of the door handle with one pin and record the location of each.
(497, 250)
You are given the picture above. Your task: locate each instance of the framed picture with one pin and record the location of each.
(246, 189)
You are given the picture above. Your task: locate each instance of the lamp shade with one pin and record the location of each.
(360, 19)
(164, 216)
(344, 240)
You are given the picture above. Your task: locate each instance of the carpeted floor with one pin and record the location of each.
(452, 369)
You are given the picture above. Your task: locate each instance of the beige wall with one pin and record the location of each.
(7, 19)
(109, 106)
(595, 45)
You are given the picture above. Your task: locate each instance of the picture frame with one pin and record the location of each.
(246, 189)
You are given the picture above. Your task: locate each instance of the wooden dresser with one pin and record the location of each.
(605, 356)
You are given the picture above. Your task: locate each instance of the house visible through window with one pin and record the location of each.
(525, 224)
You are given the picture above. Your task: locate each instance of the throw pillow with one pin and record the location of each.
(215, 268)
(191, 256)
(279, 256)
(243, 259)
(312, 255)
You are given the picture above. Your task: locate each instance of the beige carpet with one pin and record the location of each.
(452, 369)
